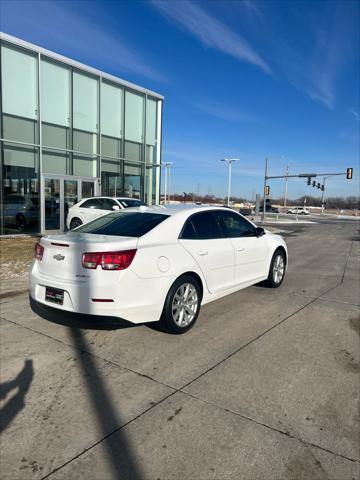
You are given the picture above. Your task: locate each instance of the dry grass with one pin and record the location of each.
(16, 255)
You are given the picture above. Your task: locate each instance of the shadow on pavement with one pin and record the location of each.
(119, 455)
(22, 383)
(78, 320)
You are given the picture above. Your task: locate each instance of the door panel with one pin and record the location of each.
(70, 196)
(251, 252)
(216, 261)
(204, 240)
(251, 255)
(52, 203)
(60, 194)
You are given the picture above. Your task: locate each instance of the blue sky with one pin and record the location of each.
(248, 79)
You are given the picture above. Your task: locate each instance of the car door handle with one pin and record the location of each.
(240, 249)
(202, 252)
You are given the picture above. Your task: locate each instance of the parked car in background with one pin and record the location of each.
(18, 211)
(298, 211)
(245, 211)
(155, 263)
(269, 209)
(90, 208)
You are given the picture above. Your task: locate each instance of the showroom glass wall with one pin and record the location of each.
(68, 133)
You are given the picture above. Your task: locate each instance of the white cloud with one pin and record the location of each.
(224, 112)
(354, 113)
(209, 31)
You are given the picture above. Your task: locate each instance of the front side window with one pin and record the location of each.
(92, 203)
(233, 225)
(123, 224)
(108, 204)
(206, 226)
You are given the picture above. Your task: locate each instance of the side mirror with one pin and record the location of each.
(259, 231)
(116, 207)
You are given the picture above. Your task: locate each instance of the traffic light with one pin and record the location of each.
(349, 173)
(267, 190)
(322, 187)
(309, 181)
(318, 185)
(314, 183)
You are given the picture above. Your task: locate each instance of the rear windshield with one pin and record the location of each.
(123, 224)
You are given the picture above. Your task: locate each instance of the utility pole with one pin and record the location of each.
(286, 184)
(229, 162)
(264, 197)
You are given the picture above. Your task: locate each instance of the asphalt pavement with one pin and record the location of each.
(265, 386)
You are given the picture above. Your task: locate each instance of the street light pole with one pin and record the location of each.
(165, 186)
(229, 162)
(167, 182)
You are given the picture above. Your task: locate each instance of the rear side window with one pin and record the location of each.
(188, 232)
(92, 203)
(205, 226)
(14, 199)
(233, 225)
(123, 224)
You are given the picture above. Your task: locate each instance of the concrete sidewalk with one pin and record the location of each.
(266, 385)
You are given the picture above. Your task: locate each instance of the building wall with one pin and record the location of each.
(60, 118)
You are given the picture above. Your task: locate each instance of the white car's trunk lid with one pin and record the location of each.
(62, 257)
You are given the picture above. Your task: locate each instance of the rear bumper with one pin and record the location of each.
(135, 299)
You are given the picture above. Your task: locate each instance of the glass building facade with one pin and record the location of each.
(69, 131)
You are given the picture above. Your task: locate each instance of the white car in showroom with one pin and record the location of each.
(90, 208)
(155, 263)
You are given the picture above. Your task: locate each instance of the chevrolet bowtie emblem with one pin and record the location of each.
(59, 257)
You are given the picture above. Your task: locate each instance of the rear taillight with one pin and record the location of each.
(39, 251)
(108, 260)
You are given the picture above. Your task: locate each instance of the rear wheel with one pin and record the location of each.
(277, 270)
(182, 305)
(75, 222)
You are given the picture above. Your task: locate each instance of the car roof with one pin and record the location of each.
(172, 210)
(127, 198)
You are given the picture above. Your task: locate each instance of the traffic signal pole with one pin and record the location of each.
(348, 173)
(323, 196)
(264, 197)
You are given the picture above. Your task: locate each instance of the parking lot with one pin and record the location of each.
(265, 386)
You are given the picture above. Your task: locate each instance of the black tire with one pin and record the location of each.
(20, 222)
(75, 222)
(273, 280)
(186, 314)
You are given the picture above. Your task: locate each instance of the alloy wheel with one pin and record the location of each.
(278, 268)
(184, 305)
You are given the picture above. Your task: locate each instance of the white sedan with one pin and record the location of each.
(151, 264)
(298, 211)
(90, 208)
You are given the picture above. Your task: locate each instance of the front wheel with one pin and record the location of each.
(182, 305)
(277, 270)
